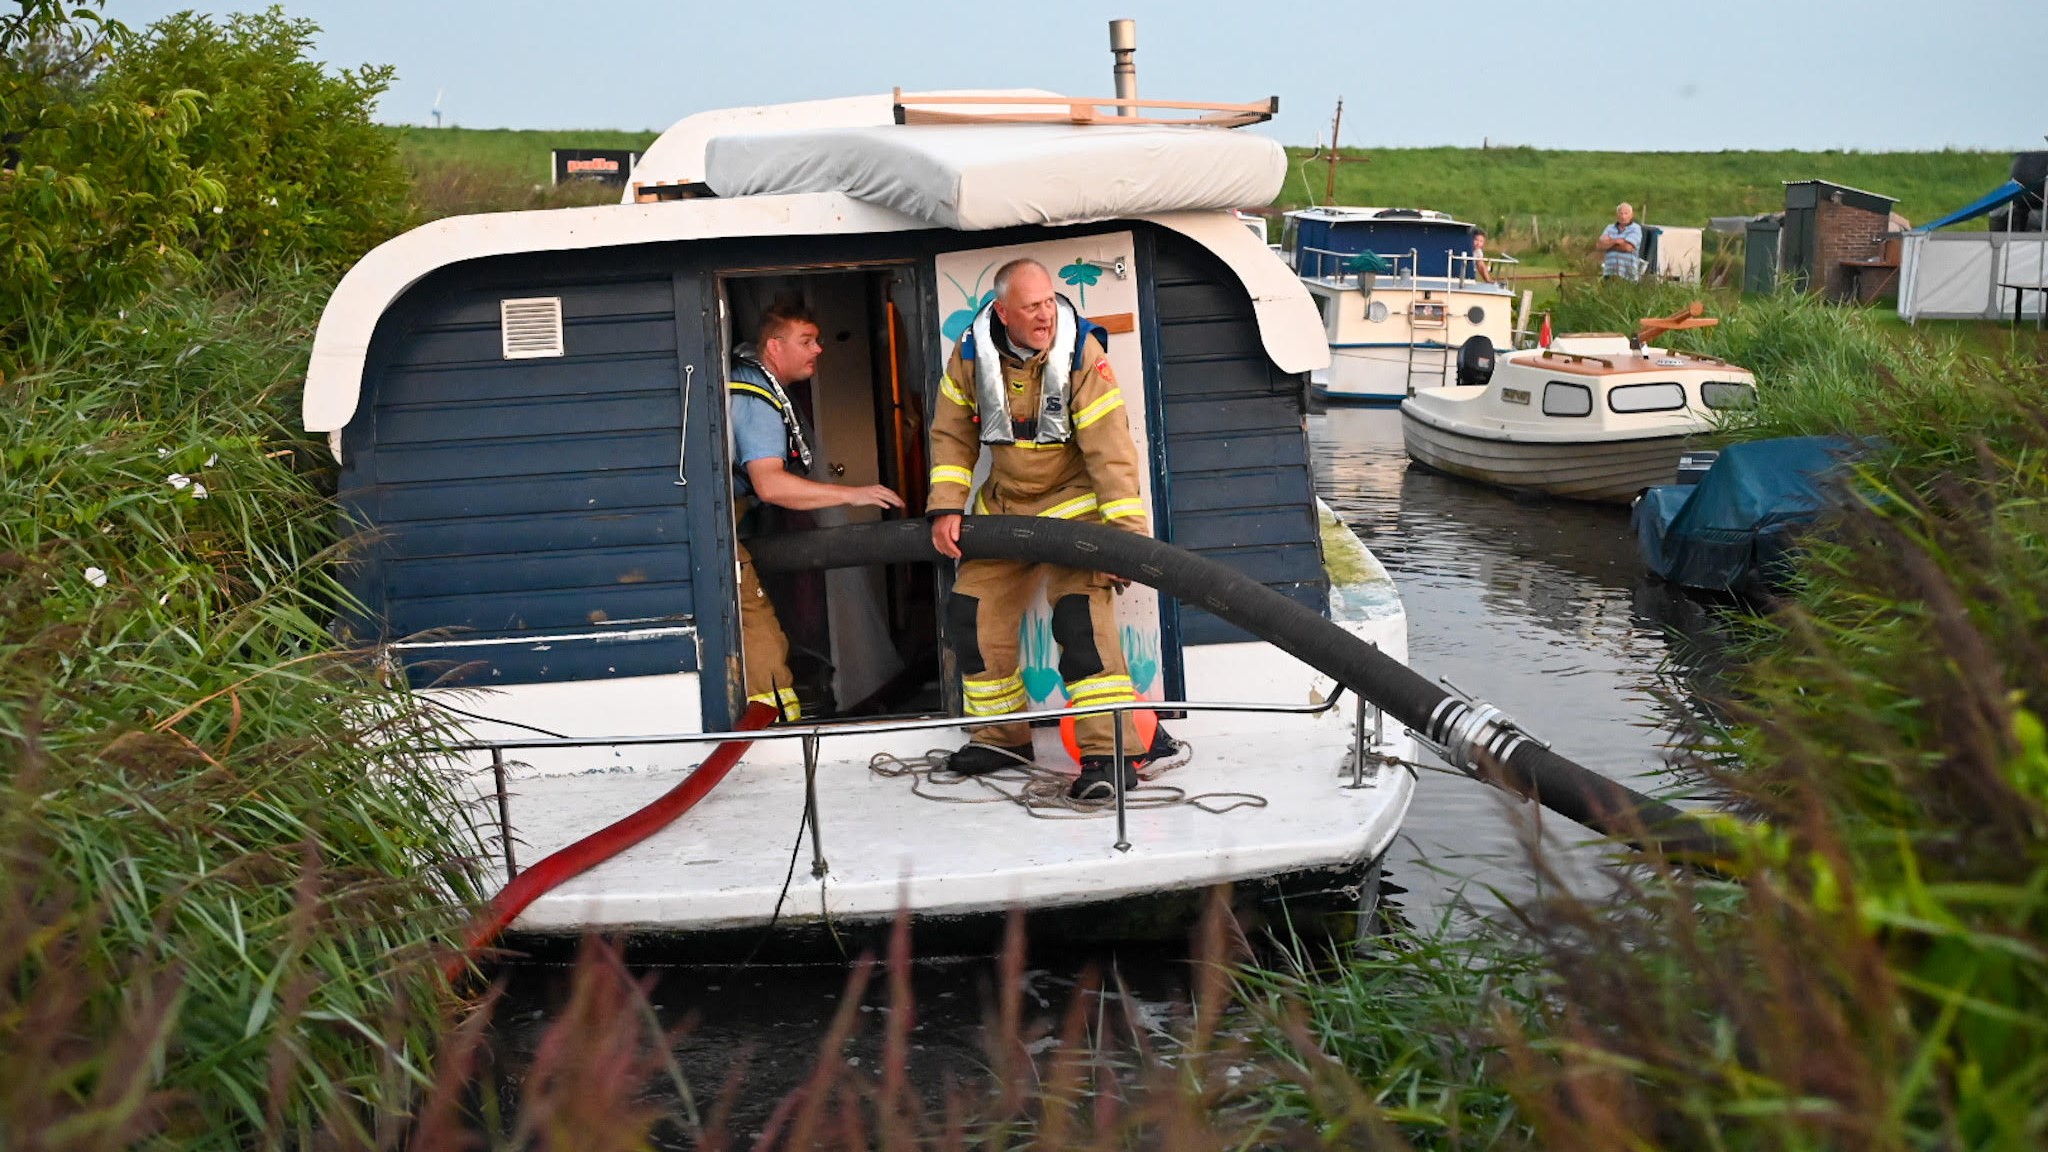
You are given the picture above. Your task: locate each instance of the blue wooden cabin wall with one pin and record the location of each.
(526, 499)
(517, 498)
(1239, 490)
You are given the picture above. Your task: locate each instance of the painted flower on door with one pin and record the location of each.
(1081, 275)
(972, 302)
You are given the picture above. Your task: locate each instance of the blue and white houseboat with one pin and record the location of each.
(1401, 293)
(528, 411)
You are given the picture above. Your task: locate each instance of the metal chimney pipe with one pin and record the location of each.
(1123, 44)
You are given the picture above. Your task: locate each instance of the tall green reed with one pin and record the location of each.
(217, 792)
(1871, 971)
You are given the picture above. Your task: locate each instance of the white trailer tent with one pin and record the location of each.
(1973, 275)
(1677, 255)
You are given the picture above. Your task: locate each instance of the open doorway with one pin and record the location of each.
(862, 641)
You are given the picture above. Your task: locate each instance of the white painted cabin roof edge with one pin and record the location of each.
(1290, 328)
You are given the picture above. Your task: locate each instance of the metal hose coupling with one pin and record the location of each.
(1471, 735)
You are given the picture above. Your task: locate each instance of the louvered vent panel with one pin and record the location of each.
(533, 327)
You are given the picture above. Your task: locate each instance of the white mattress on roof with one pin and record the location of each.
(977, 177)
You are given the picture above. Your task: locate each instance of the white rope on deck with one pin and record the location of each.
(1042, 792)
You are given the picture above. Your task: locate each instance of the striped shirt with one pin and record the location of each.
(1627, 265)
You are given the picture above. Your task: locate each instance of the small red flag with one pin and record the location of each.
(1543, 337)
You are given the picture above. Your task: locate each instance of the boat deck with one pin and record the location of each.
(723, 864)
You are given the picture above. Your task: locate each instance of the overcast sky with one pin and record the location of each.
(1806, 74)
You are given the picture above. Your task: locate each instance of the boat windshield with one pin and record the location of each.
(1728, 394)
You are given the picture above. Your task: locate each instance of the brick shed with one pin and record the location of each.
(1835, 240)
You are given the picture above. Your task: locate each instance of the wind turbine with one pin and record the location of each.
(437, 107)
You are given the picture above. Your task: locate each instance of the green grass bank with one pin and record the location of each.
(1504, 188)
(521, 153)
(1498, 188)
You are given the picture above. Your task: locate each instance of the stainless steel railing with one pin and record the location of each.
(1463, 268)
(812, 736)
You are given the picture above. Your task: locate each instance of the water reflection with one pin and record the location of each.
(1539, 607)
(758, 1029)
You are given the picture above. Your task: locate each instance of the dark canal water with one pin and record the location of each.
(1541, 608)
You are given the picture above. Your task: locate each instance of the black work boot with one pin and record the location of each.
(980, 759)
(1095, 781)
(1162, 746)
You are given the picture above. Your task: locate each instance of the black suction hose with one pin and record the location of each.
(1472, 735)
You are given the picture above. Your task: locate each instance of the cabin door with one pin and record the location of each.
(705, 486)
(862, 641)
(1100, 274)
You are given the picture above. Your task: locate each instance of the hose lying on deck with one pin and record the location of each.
(564, 864)
(1472, 735)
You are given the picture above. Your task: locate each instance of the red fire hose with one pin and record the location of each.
(561, 866)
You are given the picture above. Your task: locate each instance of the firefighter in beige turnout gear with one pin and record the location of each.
(1030, 383)
(770, 458)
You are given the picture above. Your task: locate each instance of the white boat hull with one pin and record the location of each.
(1608, 471)
(1280, 805)
(1381, 375)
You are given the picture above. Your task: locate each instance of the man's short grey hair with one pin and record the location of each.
(1009, 271)
(1624, 204)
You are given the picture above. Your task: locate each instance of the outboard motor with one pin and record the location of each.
(1475, 361)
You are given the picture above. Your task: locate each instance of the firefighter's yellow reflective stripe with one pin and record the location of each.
(952, 474)
(1067, 510)
(783, 700)
(1108, 402)
(993, 697)
(951, 391)
(1034, 446)
(1002, 707)
(1001, 686)
(981, 503)
(1097, 685)
(1110, 688)
(755, 390)
(995, 705)
(1123, 509)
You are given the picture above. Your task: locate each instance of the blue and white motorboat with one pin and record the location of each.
(1401, 294)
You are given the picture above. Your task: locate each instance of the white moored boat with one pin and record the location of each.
(1401, 295)
(1590, 418)
(529, 413)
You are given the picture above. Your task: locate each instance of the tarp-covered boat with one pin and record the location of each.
(1735, 530)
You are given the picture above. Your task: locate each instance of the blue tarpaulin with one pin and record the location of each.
(1998, 198)
(1731, 531)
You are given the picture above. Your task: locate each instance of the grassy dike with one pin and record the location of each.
(1574, 192)
(1530, 197)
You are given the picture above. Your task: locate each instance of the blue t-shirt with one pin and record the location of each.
(757, 434)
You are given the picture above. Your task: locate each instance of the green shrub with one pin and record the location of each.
(304, 171)
(97, 199)
(132, 158)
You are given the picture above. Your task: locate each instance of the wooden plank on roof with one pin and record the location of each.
(1078, 110)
